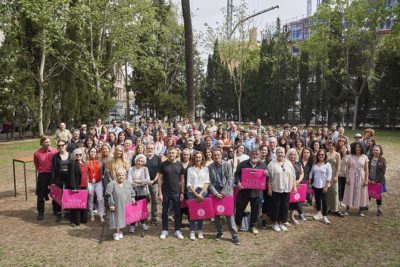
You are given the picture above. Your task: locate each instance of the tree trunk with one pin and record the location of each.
(187, 20)
(41, 90)
(356, 100)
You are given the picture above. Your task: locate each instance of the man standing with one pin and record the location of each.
(221, 185)
(42, 160)
(115, 128)
(249, 195)
(75, 141)
(153, 164)
(272, 146)
(98, 127)
(63, 133)
(199, 144)
(171, 189)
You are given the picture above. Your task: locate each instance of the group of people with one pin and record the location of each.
(121, 164)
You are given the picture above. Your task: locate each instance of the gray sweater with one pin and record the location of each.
(221, 184)
(139, 174)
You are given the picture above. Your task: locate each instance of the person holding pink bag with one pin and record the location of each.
(377, 170)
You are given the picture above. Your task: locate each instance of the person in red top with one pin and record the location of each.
(79, 180)
(43, 160)
(95, 184)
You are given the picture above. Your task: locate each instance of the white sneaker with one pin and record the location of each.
(116, 236)
(342, 205)
(318, 217)
(131, 229)
(276, 228)
(164, 234)
(200, 235)
(178, 234)
(283, 228)
(120, 235)
(287, 224)
(192, 236)
(302, 217)
(325, 220)
(145, 227)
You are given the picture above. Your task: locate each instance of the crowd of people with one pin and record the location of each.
(119, 164)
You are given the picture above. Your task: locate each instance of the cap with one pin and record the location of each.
(83, 126)
(357, 135)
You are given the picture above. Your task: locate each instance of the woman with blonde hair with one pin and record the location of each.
(293, 157)
(118, 161)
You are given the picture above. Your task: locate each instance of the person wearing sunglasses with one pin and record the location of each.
(282, 180)
(321, 175)
(61, 168)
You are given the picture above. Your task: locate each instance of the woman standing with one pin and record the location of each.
(89, 143)
(334, 159)
(293, 157)
(79, 180)
(95, 184)
(117, 162)
(282, 179)
(344, 153)
(121, 138)
(159, 147)
(208, 157)
(198, 180)
(284, 142)
(147, 138)
(104, 134)
(356, 191)
(140, 179)
(307, 162)
(377, 167)
(321, 175)
(112, 141)
(315, 146)
(265, 156)
(120, 193)
(61, 168)
(299, 145)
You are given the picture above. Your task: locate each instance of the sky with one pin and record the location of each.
(210, 12)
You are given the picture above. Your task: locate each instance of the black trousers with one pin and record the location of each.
(342, 186)
(42, 191)
(78, 216)
(321, 197)
(280, 207)
(298, 206)
(267, 204)
(243, 198)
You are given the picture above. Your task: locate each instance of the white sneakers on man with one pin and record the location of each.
(276, 228)
(325, 220)
(200, 235)
(178, 234)
(116, 236)
(192, 236)
(283, 228)
(318, 216)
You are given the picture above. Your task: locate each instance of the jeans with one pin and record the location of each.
(280, 207)
(320, 196)
(192, 223)
(175, 200)
(42, 192)
(154, 201)
(243, 198)
(98, 189)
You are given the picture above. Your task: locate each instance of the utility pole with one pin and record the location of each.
(229, 18)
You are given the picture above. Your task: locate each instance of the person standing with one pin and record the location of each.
(95, 185)
(293, 157)
(42, 159)
(153, 164)
(357, 174)
(63, 133)
(333, 191)
(377, 167)
(60, 172)
(321, 174)
(171, 189)
(221, 185)
(249, 195)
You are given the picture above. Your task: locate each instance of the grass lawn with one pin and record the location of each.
(355, 241)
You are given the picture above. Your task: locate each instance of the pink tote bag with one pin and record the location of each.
(135, 212)
(224, 206)
(253, 179)
(74, 200)
(300, 195)
(200, 210)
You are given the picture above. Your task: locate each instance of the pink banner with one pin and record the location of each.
(136, 212)
(74, 200)
(200, 210)
(300, 195)
(254, 179)
(56, 194)
(375, 190)
(224, 206)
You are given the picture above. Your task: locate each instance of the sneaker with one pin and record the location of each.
(120, 235)
(235, 240)
(200, 235)
(342, 205)
(219, 236)
(264, 224)
(254, 230)
(302, 217)
(192, 236)
(362, 214)
(346, 213)
(283, 228)
(379, 213)
(164, 234)
(131, 229)
(318, 217)
(178, 234)
(287, 224)
(325, 220)
(116, 236)
(276, 228)
(145, 227)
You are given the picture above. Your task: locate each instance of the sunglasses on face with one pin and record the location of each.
(61, 145)
(78, 155)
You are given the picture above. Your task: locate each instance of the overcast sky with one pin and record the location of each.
(210, 11)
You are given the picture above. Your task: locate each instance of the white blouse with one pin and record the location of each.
(282, 177)
(321, 175)
(197, 177)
